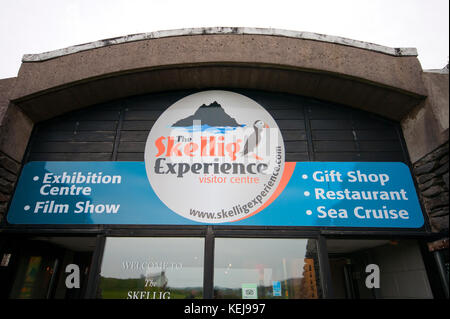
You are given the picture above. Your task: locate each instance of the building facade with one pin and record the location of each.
(77, 122)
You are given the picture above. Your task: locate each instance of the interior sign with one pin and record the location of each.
(217, 157)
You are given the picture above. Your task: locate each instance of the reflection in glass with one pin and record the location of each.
(152, 268)
(33, 277)
(266, 268)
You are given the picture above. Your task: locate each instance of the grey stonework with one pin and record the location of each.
(9, 169)
(431, 173)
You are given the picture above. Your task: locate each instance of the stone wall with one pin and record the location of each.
(9, 169)
(432, 178)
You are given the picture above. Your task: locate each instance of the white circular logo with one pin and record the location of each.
(215, 157)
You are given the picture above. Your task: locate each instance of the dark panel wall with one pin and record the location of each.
(312, 130)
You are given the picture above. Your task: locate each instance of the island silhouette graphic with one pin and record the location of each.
(212, 115)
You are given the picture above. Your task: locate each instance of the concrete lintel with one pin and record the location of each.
(426, 127)
(382, 101)
(324, 67)
(15, 125)
(221, 30)
(6, 86)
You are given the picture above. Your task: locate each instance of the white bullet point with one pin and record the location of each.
(27, 207)
(304, 176)
(35, 178)
(307, 193)
(308, 212)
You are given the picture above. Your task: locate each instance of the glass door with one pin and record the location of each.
(36, 267)
(377, 269)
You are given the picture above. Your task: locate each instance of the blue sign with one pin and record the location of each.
(330, 194)
(276, 285)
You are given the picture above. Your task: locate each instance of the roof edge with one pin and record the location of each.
(440, 71)
(215, 31)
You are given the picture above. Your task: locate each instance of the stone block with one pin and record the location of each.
(440, 212)
(433, 191)
(437, 154)
(438, 201)
(425, 178)
(441, 170)
(445, 179)
(6, 187)
(439, 223)
(4, 197)
(431, 182)
(7, 175)
(9, 164)
(425, 168)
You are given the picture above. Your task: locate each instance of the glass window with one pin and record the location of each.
(396, 269)
(258, 268)
(152, 268)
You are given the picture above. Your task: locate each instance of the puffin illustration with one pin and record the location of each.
(252, 141)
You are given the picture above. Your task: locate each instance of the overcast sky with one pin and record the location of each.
(28, 26)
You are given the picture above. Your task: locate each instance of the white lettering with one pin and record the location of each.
(383, 213)
(367, 178)
(73, 279)
(87, 207)
(373, 279)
